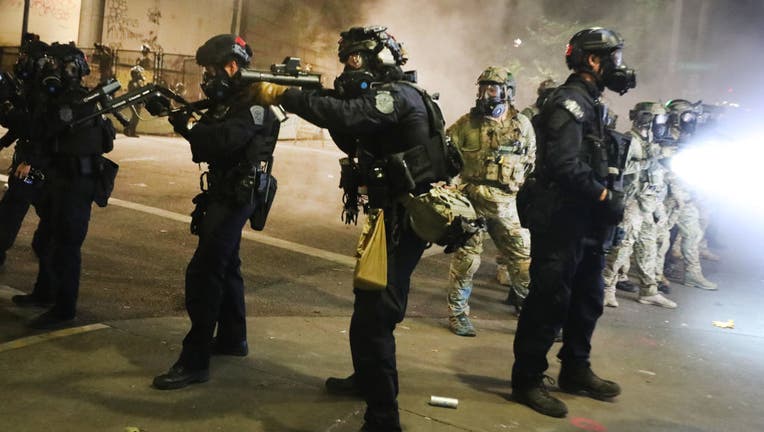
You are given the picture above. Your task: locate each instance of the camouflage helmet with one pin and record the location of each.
(545, 86)
(684, 114)
(650, 115)
(652, 108)
(499, 75)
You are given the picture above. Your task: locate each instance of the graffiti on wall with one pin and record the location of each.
(119, 25)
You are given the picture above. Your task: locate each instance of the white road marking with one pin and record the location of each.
(45, 337)
(255, 236)
(6, 293)
(249, 235)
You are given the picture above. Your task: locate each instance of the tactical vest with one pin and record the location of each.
(494, 153)
(434, 160)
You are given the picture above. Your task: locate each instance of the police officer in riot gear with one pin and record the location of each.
(374, 115)
(71, 185)
(234, 137)
(568, 206)
(27, 169)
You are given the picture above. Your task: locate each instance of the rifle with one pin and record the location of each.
(289, 73)
(617, 146)
(156, 97)
(159, 99)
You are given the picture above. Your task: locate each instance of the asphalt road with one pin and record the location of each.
(137, 248)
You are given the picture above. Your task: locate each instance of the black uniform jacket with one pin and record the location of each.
(569, 127)
(388, 119)
(222, 136)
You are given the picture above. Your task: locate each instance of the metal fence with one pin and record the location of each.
(175, 71)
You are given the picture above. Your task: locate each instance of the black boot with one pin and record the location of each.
(583, 380)
(179, 377)
(513, 299)
(342, 386)
(627, 286)
(537, 397)
(50, 320)
(240, 349)
(31, 300)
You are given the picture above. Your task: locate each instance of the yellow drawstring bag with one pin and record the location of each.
(371, 267)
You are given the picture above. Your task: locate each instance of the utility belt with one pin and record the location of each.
(71, 165)
(243, 185)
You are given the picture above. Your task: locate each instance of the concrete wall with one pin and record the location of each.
(174, 26)
(53, 20)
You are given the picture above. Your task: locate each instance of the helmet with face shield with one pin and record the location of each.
(650, 118)
(496, 91)
(370, 54)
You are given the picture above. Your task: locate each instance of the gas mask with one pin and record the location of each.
(350, 84)
(58, 74)
(492, 100)
(615, 75)
(687, 121)
(357, 76)
(26, 67)
(659, 127)
(50, 76)
(218, 86)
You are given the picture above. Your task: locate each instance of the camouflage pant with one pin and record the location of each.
(663, 235)
(687, 220)
(640, 240)
(692, 233)
(513, 242)
(618, 259)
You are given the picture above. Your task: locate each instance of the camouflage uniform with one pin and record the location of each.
(644, 204)
(688, 223)
(497, 156)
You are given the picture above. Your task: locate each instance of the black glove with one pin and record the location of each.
(179, 121)
(613, 207)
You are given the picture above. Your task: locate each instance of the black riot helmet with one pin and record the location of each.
(31, 55)
(684, 115)
(216, 53)
(608, 45)
(370, 54)
(64, 67)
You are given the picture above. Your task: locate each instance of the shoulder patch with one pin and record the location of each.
(574, 108)
(384, 102)
(258, 114)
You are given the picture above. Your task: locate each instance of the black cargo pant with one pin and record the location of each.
(64, 212)
(375, 315)
(13, 208)
(214, 286)
(566, 291)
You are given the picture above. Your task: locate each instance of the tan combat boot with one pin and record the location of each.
(696, 279)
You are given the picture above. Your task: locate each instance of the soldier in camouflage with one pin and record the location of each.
(499, 146)
(683, 120)
(644, 179)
